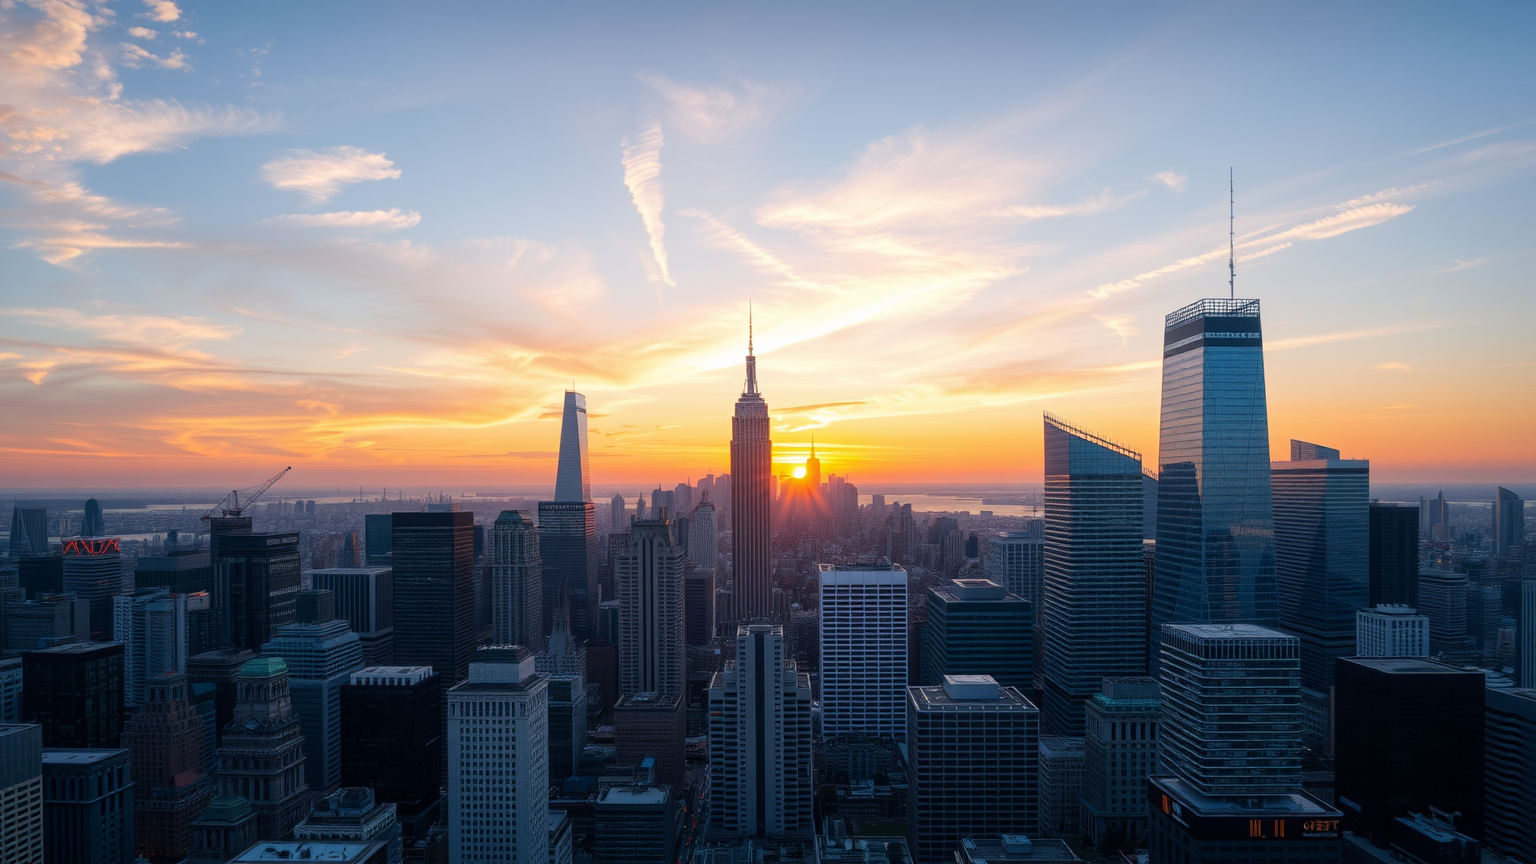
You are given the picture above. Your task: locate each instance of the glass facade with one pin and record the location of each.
(568, 549)
(1095, 582)
(434, 592)
(1215, 525)
(977, 630)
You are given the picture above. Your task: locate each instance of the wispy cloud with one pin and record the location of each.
(1173, 181)
(137, 57)
(1462, 139)
(1394, 366)
(172, 330)
(1352, 219)
(642, 176)
(714, 114)
(1463, 265)
(320, 174)
(1087, 207)
(392, 219)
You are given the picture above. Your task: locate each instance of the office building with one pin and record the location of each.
(433, 562)
(863, 649)
(184, 571)
(1443, 599)
(261, 757)
(1215, 526)
(1287, 828)
(1095, 591)
(751, 501)
(1410, 737)
(42, 574)
(1525, 634)
(29, 533)
(1510, 761)
(560, 840)
(698, 606)
(1231, 709)
(498, 760)
(10, 689)
(1394, 555)
(517, 582)
(1119, 754)
(392, 741)
(152, 625)
(649, 581)
(321, 659)
(219, 669)
(93, 572)
(87, 806)
(378, 539)
(75, 692)
(21, 792)
(166, 743)
(1016, 561)
(635, 824)
(568, 544)
(352, 815)
(617, 514)
(1061, 770)
(567, 724)
(972, 764)
(975, 627)
(50, 619)
(1508, 522)
(1012, 849)
(256, 579)
(1391, 631)
(93, 523)
(365, 598)
(225, 830)
(652, 726)
(704, 535)
(760, 739)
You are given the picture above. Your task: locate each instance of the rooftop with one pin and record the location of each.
(634, 795)
(882, 566)
(1291, 804)
(269, 850)
(936, 699)
(1213, 307)
(264, 667)
(1409, 666)
(1013, 847)
(1228, 631)
(73, 756)
(78, 648)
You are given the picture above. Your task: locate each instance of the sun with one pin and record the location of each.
(799, 472)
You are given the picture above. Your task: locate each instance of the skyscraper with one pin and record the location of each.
(517, 582)
(1394, 555)
(87, 806)
(1525, 635)
(93, 572)
(1510, 784)
(1508, 521)
(21, 793)
(1391, 631)
(75, 692)
(378, 539)
(1322, 562)
(751, 502)
(321, 658)
(617, 513)
(365, 598)
(975, 627)
(863, 649)
(434, 561)
(1119, 754)
(256, 579)
(498, 760)
(29, 532)
(972, 764)
(92, 522)
(760, 739)
(165, 742)
(649, 581)
(152, 625)
(1215, 525)
(392, 740)
(261, 759)
(568, 546)
(1095, 581)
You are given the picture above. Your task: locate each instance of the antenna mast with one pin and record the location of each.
(1231, 238)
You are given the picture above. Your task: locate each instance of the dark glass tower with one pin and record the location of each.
(434, 592)
(1095, 581)
(568, 546)
(75, 692)
(975, 627)
(1394, 555)
(1322, 557)
(256, 579)
(392, 740)
(1508, 521)
(1215, 524)
(751, 469)
(517, 582)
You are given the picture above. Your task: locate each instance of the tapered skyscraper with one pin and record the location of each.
(751, 468)
(1215, 522)
(568, 528)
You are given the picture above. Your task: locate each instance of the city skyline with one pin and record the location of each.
(233, 245)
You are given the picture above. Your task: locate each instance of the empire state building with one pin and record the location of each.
(751, 463)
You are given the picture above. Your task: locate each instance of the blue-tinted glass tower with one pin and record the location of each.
(568, 529)
(1215, 523)
(1095, 581)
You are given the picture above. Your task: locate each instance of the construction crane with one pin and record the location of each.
(238, 499)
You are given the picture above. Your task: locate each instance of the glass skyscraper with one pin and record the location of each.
(568, 529)
(1215, 526)
(1095, 581)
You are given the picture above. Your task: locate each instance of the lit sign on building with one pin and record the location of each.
(91, 546)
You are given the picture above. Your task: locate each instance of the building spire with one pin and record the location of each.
(1231, 238)
(751, 388)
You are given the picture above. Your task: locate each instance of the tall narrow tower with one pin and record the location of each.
(751, 466)
(568, 528)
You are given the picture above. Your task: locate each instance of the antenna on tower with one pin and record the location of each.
(1231, 238)
(749, 327)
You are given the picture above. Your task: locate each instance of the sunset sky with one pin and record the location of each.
(376, 241)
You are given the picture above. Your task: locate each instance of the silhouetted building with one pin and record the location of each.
(49, 620)
(972, 764)
(433, 557)
(166, 743)
(975, 627)
(567, 724)
(378, 539)
(1215, 525)
(29, 533)
(391, 740)
(1394, 555)
(75, 692)
(261, 759)
(256, 580)
(1443, 599)
(1525, 634)
(1508, 521)
(219, 669)
(1410, 737)
(365, 598)
(751, 501)
(1119, 754)
(184, 571)
(568, 544)
(10, 690)
(1510, 786)
(652, 725)
(21, 793)
(1095, 582)
(87, 806)
(92, 522)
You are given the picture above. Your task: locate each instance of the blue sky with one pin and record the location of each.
(376, 240)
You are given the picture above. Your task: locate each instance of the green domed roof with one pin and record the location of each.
(264, 667)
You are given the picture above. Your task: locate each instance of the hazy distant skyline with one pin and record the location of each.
(377, 241)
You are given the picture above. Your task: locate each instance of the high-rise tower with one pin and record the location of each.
(751, 469)
(568, 528)
(517, 583)
(1215, 522)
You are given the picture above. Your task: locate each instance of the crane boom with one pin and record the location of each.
(232, 505)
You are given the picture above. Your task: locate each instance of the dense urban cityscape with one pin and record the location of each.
(1217, 657)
